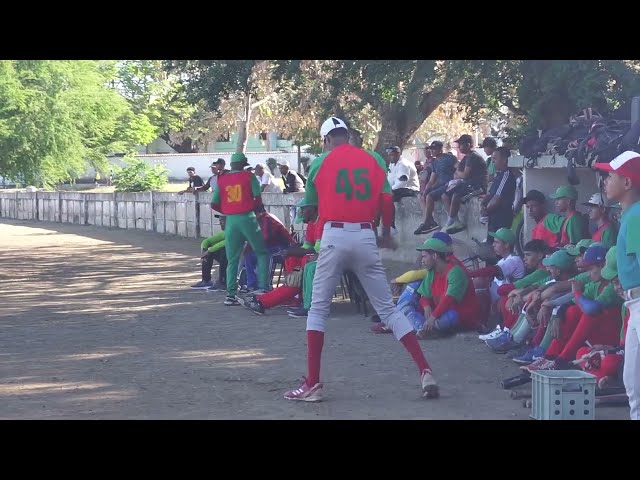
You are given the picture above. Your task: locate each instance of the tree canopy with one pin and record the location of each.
(57, 118)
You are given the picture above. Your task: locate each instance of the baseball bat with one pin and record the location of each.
(511, 382)
(604, 392)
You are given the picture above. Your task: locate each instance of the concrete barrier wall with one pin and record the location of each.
(191, 216)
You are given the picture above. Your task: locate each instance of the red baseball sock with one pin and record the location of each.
(410, 342)
(539, 336)
(315, 342)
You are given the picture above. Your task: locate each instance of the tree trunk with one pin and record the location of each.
(395, 130)
(243, 126)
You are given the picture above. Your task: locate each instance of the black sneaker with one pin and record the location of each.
(298, 313)
(426, 228)
(231, 300)
(254, 305)
(217, 287)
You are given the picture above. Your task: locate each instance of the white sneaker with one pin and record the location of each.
(496, 333)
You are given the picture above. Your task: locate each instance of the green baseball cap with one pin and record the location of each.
(610, 269)
(560, 259)
(435, 245)
(238, 158)
(577, 249)
(504, 234)
(566, 191)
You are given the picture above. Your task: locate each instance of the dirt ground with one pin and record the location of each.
(101, 324)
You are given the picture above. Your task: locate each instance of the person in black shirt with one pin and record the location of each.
(498, 203)
(292, 181)
(194, 181)
(472, 173)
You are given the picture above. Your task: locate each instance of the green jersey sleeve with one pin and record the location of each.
(457, 283)
(256, 189)
(574, 228)
(532, 279)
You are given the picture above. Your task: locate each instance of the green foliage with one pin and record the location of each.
(139, 176)
(58, 118)
(544, 93)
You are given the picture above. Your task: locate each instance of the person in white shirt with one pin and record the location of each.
(267, 180)
(510, 267)
(403, 176)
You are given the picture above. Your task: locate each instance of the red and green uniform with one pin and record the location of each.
(595, 317)
(548, 229)
(451, 290)
(509, 319)
(573, 229)
(609, 365)
(605, 234)
(237, 195)
(355, 189)
(311, 240)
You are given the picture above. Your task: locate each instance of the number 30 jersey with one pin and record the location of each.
(236, 192)
(348, 185)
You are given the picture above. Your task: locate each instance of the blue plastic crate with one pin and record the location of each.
(563, 395)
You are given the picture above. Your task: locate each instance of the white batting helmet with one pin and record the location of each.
(331, 124)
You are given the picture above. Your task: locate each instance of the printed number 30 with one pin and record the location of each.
(345, 185)
(234, 193)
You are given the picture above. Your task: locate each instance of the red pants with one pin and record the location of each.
(508, 319)
(608, 366)
(577, 327)
(278, 296)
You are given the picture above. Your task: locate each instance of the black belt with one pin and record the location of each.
(363, 226)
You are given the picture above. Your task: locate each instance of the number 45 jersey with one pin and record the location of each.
(348, 184)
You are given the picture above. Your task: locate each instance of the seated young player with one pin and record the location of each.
(606, 361)
(560, 266)
(213, 249)
(595, 317)
(295, 260)
(447, 295)
(534, 253)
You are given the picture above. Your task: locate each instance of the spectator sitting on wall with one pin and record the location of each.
(194, 181)
(472, 176)
(268, 182)
(489, 146)
(292, 181)
(444, 166)
(403, 176)
(213, 249)
(497, 205)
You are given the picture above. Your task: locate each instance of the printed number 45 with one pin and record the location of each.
(345, 183)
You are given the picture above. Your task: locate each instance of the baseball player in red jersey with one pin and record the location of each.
(350, 186)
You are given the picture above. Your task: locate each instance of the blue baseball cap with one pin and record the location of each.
(443, 237)
(595, 254)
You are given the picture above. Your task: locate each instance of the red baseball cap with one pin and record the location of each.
(627, 164)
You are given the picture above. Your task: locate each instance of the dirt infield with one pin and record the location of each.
(101, 324)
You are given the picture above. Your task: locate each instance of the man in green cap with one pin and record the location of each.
(237, 195)
(448, 296)
(560, 266)
(593, 316)
(574, 228)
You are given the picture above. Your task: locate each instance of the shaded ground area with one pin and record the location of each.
(99, 323)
